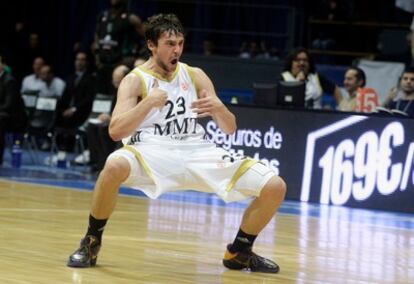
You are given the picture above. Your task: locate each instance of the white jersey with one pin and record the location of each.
(168, 151)
(176, 120)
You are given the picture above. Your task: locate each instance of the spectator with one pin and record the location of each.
(330, 11)
(404, 102)
(18, 44)
(53, 86)
(299, 66)
(32, 82)
(12, 111)
(99, 143)
(408, 6)
(117, 32)
(248, 49)
(253, 50)
(208, 47)
(358, 98)
(33, 50)
(139, 61)
(75, 105)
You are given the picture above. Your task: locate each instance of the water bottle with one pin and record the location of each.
(234, 100)
(16, 155)
(61, 160)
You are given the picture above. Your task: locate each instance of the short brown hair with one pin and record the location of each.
(160, 23)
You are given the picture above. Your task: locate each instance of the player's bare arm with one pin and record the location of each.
(208, 104)
(128, 114)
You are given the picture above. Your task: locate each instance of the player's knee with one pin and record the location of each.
(281, 187)
(117, 169)
(274, 190)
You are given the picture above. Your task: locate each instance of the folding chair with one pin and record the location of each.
(30, 100)
(101, 104)
(40, 121)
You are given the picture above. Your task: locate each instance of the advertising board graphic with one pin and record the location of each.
(363, 161)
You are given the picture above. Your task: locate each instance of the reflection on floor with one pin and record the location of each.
(79, 177)
(183, 234)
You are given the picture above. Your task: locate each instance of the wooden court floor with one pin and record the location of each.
(166, 241)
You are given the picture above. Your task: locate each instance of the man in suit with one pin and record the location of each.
(99, 142)
(12, 112)
(75, 105)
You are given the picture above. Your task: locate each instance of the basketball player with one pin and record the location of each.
(165, 150)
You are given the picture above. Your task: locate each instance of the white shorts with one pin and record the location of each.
(156, 169)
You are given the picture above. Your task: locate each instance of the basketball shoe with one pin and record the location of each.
(86, 254)
(249, 260)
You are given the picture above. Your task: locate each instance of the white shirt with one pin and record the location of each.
(56, 88)
(313, 88)
(31, 83)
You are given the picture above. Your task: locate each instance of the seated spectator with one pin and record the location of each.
(75, 105)
(12, 111)
(248, 49)
(53, 86)
(99, 143)
(208, 47)
(139, 61)
(253, 50)
(358, 97)
(299, 66)
(32, 82)
(404, 102)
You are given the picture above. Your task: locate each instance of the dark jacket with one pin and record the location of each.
(12, 107)
(78, 95)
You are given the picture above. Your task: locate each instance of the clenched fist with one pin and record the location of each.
(157, 97)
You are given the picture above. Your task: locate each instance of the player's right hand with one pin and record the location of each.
(157, 97)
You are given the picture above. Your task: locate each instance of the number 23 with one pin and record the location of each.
(180, 102)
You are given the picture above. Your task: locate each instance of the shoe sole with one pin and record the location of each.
(231, 264)
(81, 265)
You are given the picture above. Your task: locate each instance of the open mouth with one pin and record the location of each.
(174, 61)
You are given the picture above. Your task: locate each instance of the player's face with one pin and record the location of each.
(351, 83)
(168, 51)
(407, 83)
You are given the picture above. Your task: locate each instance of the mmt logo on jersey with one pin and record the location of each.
(354, 160)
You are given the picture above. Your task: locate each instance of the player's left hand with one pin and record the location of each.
(207, 105)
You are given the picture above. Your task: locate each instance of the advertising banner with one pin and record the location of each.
(363, 161)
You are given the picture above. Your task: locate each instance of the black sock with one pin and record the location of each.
(96, 227)
(242, 242)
